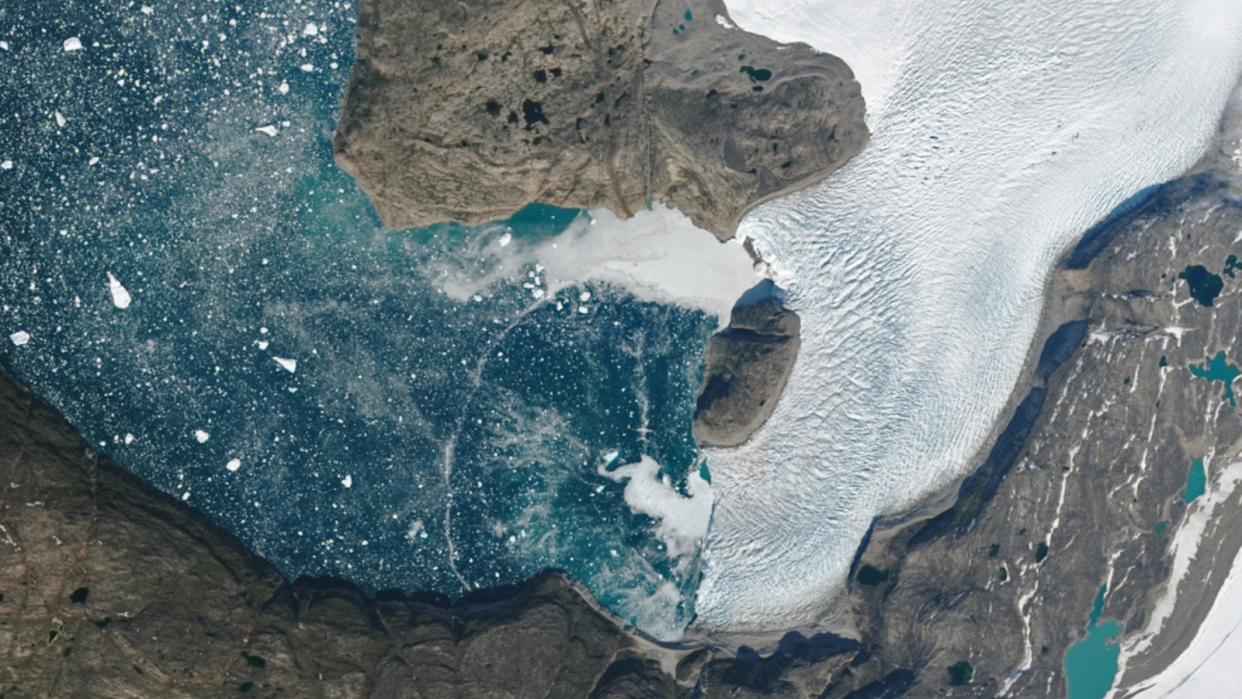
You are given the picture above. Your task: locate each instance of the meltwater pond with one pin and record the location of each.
(187, 276)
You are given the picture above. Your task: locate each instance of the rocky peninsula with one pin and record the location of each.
(469, 111)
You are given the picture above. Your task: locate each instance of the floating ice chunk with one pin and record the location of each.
(92, 161)
(306, 67)
(416, 528)
(583, 310)
(201, 437)
(263, 344)
(148, 10)
(505, 239)
(120, 295)
(6, 165)
(283, 88)
(269, 130)
(60, 119)
(4, 45)
(19, 338)
(537, 293)
(584, 296)
(289, 365)
(73, 43)
(682, 520)
(310, 29)
(185, 496)
(611, 456)
(129, 438)
(233, 465)
(348, 481)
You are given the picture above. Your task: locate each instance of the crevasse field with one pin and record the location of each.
(1001, 130)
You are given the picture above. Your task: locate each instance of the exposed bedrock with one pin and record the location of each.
(748, 364)
(468, 111)
(1091, 476)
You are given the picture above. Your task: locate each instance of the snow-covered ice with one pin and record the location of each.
(233, 465)
(20, 338)
(201, 436)
(289, 365)
(73, 43)
(1001, 131)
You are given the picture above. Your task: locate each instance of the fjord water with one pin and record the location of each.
(186, 274)
(1000, 132)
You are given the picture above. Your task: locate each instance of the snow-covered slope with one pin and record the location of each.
(1002, 129)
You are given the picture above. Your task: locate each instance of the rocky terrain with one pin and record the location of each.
(1091, 476)
(748, 364)
(468, 111)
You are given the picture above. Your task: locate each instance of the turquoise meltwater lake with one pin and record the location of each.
(1091, 664)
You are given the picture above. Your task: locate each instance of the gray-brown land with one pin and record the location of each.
(468, 111)
(748, 364)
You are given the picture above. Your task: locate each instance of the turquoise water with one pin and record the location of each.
(1219, 369)
(1091, 664)
(427, 439)
(1196, 482)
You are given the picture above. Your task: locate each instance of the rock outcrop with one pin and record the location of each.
(748, 364)
(468, 111)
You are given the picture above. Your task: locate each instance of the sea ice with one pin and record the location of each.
(289, 365)
(233, 465)
(1000, 132)
(682, 520)
(73, 43)
(201, 436)
(19, 338)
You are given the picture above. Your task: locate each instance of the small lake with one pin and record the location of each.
(1091, 664)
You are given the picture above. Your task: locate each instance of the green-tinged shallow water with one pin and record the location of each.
(1218, 369)
(1196, 481)
(1091, 664)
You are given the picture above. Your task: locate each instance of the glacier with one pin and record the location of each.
(1001, 131)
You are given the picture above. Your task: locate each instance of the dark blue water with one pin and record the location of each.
(427, 440)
